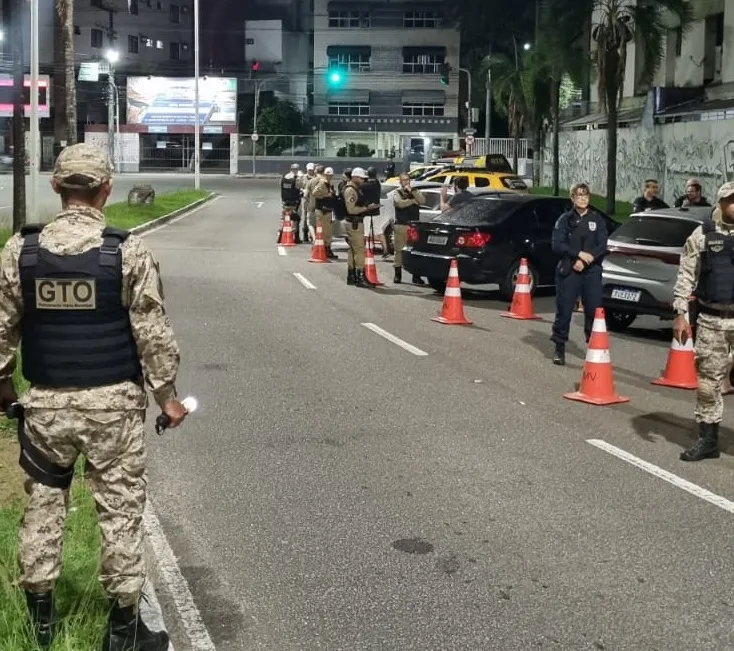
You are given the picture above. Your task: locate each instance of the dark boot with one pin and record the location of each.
(417, 280)
(559, 357)
(41, 610)
(398, 275)
(330, 254)
(362, 280)
(706, 446)
(351, 277)
(127, 632)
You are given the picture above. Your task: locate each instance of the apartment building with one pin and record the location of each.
(377, 77)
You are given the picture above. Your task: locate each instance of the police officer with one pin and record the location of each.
(580, 238)
(290, 195)
(707, 266)
(371, 190)
(407, 209)
(357, 208)
(324, 197)
(307, 184)
(86, 302)
(346, 177)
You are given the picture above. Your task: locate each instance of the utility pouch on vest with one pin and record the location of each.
(36, 465)
(564, 267)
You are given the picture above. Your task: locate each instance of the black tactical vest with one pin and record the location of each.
(326, 204)
(75, 330)
(406, 215)
(716, 276)
(289, 192)
(371, 190)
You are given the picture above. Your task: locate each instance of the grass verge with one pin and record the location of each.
(623, 209)
(124, 216)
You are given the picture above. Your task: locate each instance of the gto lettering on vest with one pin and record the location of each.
(66, 294)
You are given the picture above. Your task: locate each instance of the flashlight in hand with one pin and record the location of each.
(163, 421)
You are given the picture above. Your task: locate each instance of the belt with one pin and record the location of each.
(724, 314)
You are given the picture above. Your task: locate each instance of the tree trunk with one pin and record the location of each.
(612, 91)
(537, 144)
(69, 73)
(555, 108)
(65, 120)
(19, 207)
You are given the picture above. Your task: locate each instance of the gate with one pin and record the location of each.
(175, 152)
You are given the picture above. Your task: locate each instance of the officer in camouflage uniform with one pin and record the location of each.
(86, 303)
(357, 208)
(324, 197)
(707, 266)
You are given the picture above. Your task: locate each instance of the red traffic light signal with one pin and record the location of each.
(255, 66)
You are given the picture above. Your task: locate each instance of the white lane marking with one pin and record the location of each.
(180, 217)
(676, 481)
(259, 204)
(281, 250)
(170, 573)
(395, 340)
(304, 281)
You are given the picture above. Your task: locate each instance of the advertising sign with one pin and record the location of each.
(169, 101)
(7, 96)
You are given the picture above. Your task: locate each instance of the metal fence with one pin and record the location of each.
(504, 146)
(176, 152)
(279, 145)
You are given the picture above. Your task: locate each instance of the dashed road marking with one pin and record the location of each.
(304, 281)
(395, 340)
(282, 251)
(678, 482)
(260, 204)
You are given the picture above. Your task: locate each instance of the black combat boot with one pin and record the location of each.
(362, 280)
(330, 254)
(41, 610)
(351, 277)
(559, 357)
(127, 632)
(398, 275)
(706, 446)
(417, 280)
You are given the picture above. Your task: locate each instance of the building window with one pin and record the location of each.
(159, 45)
(349, 19)
(147, 42)
(423, 64)
(351, 61)
(133, 6)
(175, 14)
(348, 108)
(175, 52)
(132, 44)
(77, 30)
(423, 110)
(97, 3)
(97, 37)
(422, 19)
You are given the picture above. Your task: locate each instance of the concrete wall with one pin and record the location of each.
(276, 165)
(671, 153)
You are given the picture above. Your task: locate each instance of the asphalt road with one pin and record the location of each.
(335, 491)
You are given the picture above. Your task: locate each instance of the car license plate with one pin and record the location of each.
(440, 240)
(632, 295)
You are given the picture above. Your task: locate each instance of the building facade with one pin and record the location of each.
(377, 77)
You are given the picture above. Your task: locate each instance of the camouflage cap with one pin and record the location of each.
(82, 167)
(725, 191)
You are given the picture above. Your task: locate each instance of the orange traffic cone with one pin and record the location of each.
(370, 269)
(680, 370)
(287, 239)
(597, 378)
(522, 303)
(452, 312)
(318, 252)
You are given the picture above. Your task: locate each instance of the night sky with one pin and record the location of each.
(222, 33)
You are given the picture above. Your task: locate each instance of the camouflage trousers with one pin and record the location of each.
(113, 443)
(714, 342)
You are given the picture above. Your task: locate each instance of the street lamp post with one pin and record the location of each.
(35, 134)
(197, 124)
(258, 88)
(468, 103)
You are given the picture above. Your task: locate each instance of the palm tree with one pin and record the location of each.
(616, 24)
(65, 126)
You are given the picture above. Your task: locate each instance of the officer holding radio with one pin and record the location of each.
(356, 210)
(580, 238)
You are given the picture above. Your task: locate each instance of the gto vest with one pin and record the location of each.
(75, 330)
(406, 215)
(716, 276)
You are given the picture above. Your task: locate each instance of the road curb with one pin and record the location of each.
(159, 221)
(151, 612)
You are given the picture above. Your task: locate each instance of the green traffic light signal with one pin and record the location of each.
(445, 69)
(335, 78)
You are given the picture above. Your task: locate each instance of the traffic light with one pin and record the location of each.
(336, 78)
(445, 69)
(255, 67)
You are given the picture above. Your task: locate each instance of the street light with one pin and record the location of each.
(197, 126)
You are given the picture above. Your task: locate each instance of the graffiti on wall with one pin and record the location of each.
(670, 153)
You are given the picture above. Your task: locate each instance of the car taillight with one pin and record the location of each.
(474, 240)
(412, 234)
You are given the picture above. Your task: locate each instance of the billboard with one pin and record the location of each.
(169, 101)
(7, 96)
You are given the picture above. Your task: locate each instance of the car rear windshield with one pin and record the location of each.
(655, 231)
(478, 212)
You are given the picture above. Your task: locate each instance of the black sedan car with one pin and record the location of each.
(488, 236)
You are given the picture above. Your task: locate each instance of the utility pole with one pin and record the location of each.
(488, 106)
(197, 124)
(19, 193)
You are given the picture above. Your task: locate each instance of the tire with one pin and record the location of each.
(619, 321)
(438, 285)
(507, 286)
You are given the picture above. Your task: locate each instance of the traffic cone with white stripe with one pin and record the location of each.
(452, 312)
(318, 252)
(522, 303)
(287, 239)
(680, 370)
(370, 269)
(597, 378)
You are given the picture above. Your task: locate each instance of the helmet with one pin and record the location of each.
(371, 173)
(348, 172)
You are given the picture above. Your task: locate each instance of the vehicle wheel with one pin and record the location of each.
(507, 287)
(619, 321)
(438, 285)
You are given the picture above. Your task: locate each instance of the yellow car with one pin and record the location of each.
(417, 173)
(480, 179)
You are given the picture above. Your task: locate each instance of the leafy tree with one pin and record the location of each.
(282, 118)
